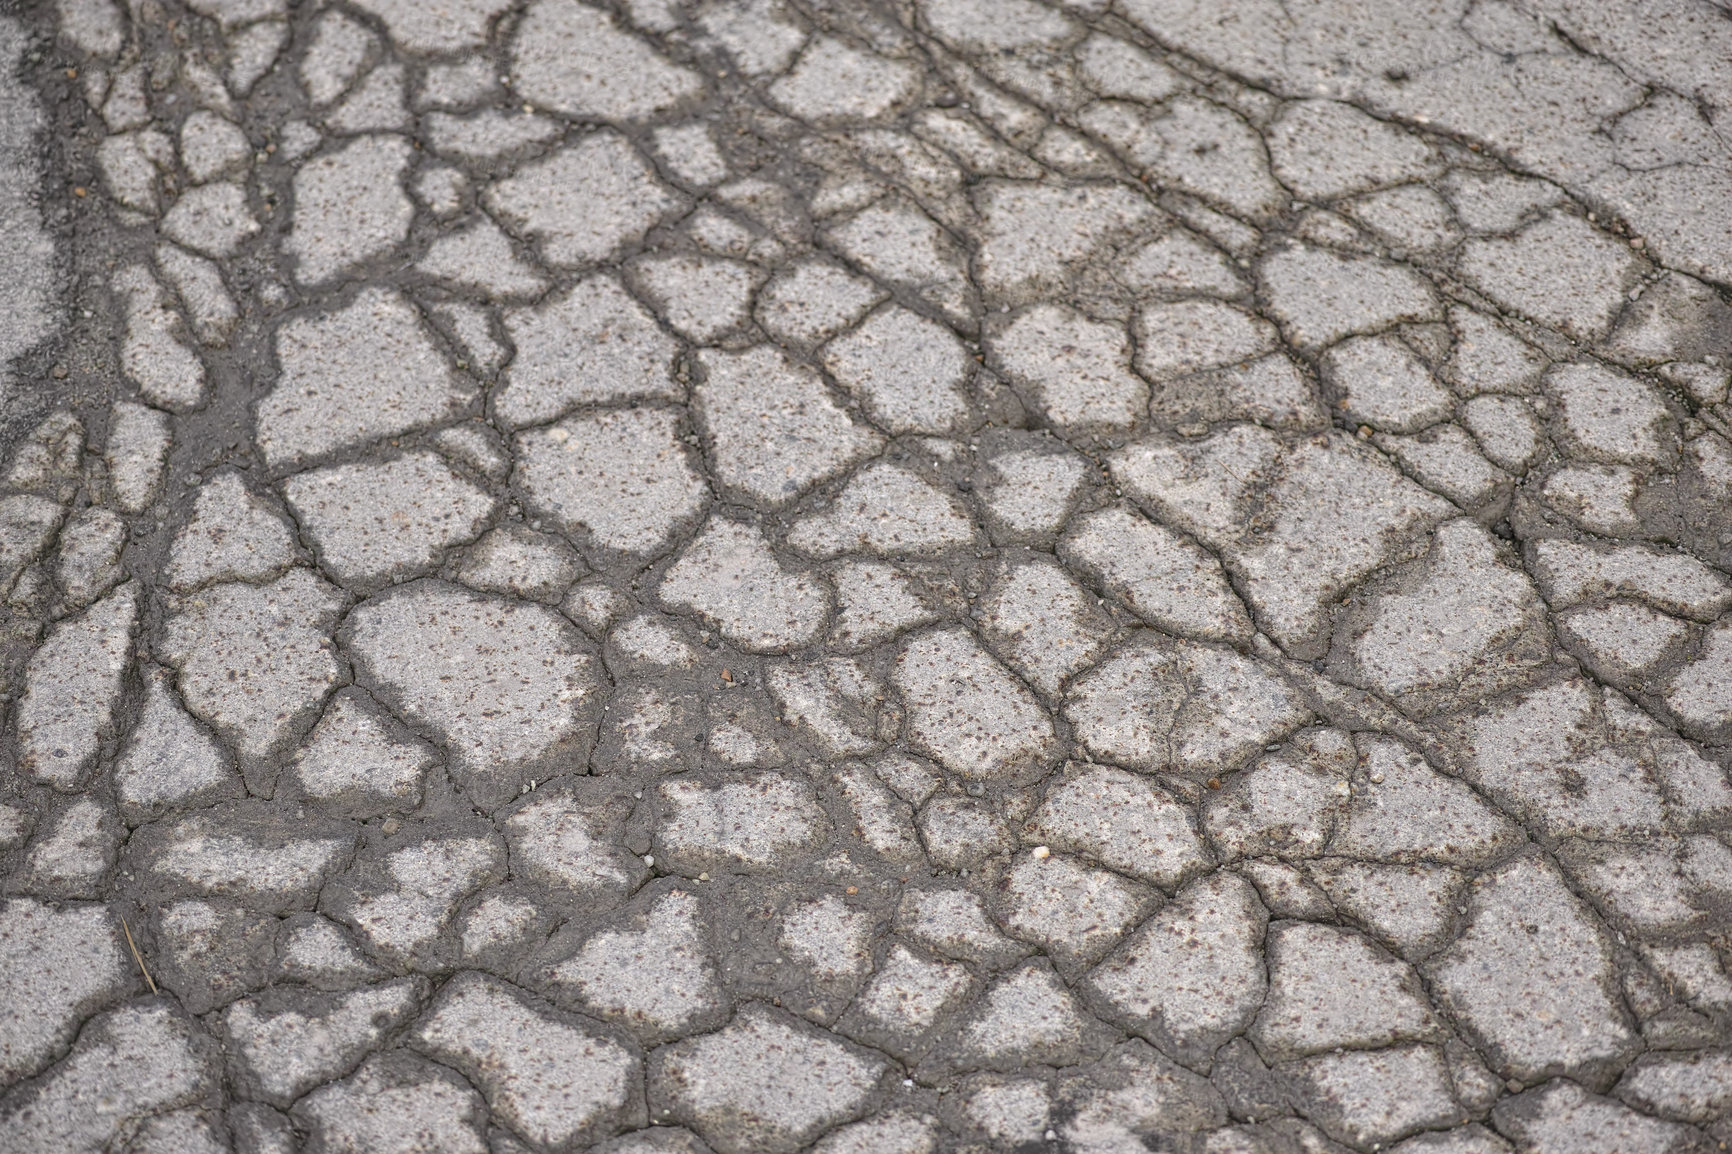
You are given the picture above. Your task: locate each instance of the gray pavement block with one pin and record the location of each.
(167, 372)
(966, 711)
(562, 361)
(279, 637)
(1165, 579)
(652, 974)
(761, 1083)
(70, 689)
(480, 640)
(395, 1102)
(773, 424)
(213, 951)
(620, 476)
(131, 1063)
(285, 1042)
(583, 203)
(547, 1077)
(1123, 821)
(63, 963)
(378, 336)
(1192, 976)
(169, 760)
(729, 577)
(889, 511)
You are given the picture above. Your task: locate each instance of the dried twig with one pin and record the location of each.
(133, 946)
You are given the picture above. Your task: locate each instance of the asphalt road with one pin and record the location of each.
(947, 575)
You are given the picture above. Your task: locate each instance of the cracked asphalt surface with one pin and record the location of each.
(910, 576)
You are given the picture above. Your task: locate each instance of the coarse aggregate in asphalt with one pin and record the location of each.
(865, 576)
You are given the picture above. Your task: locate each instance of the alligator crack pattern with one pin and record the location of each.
(745, 576)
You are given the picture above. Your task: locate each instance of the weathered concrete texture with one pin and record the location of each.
(704, 577)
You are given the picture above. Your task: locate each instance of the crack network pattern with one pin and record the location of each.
(949, 575)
